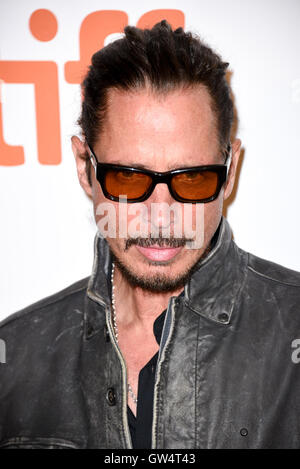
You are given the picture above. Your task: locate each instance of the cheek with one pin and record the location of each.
(98, 198)
(116, 221)
(212, 216)
(103, 208)
(202, 219)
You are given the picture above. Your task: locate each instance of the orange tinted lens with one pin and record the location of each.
(195, 185)
(125, 182)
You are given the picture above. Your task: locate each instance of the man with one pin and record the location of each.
(168, 344)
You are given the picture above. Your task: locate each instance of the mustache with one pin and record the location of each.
(160, 241)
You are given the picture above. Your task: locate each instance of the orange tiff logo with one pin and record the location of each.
(44, 74)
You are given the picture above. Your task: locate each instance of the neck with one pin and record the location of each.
(136, 306)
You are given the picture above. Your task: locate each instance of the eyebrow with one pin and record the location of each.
(142, 166)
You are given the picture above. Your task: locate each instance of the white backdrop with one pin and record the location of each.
(47, 226)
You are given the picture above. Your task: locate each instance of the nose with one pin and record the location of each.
(161, 194)
(159, 215)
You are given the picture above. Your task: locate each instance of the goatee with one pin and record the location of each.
(160, 282)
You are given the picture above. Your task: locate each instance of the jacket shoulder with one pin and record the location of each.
(57, 299)
(273, 272)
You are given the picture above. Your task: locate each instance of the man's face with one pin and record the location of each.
(160, 134)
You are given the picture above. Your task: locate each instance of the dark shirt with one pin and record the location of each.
(141, 425)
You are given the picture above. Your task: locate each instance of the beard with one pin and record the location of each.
(160, 282)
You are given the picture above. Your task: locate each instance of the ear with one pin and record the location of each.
(236, 150)
(80, 153)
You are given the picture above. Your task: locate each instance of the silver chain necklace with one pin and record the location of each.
(130, 390)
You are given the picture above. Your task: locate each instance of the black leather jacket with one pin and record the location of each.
(228, 373)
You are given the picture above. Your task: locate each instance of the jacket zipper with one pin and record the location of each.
(124, 376)
(165, 339)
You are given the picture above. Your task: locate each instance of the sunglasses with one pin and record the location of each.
(192, 185)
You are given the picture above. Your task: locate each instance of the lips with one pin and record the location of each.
(157, 253)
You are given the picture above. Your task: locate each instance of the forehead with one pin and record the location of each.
(149, 128)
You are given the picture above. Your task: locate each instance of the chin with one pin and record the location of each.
(156, 276)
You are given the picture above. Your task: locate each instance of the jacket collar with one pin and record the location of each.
(214, 288)
(211, 291)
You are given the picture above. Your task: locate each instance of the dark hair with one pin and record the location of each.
(160, 58)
